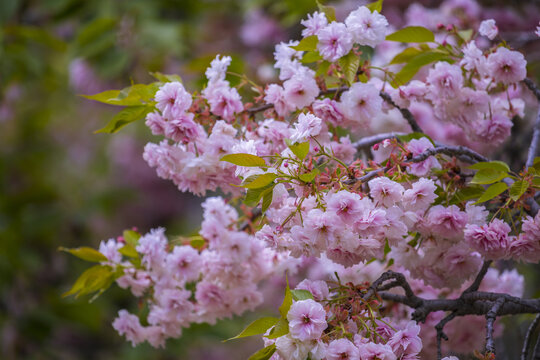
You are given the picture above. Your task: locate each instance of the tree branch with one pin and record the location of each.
(372, 140)
(478, 280)
(528, 336)
(404, 111)
(490, 320)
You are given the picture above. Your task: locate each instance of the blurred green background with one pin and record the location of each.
(63, 185)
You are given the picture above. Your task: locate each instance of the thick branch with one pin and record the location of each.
(375, 139)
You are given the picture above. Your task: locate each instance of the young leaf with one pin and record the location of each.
(131, 237)
(244, 160)
(125, 117)
(165, 77)
(264, 354)
(308, 177)
(257, 327)
(86, 253)
(311, 56)
(259, 181)
(488, 176)
(468, 193)
(300, 149)
(349, 65)
(405, 55)
(329, 11)
(281, 328)
(97, 278)
(492, 191)
(253, 196)
(308, 43)
(415, 64)
(518, 189)
(494, 165)
(375, 6)
(412, 34)
(414, 136)
(267, 196)
(301, 294)
(287, 301)
(129, 251)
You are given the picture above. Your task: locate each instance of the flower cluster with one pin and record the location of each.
(402, 205)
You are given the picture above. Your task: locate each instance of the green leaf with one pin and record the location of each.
(131, 237)
(492, 192)
(259, 181)
(135, 95)
(468, 193)
(518, 188)
(129, 251)
(96, 278)
(488, 176)
(375, 6)
(165, 77)
(465, 35)
(311, 56)
(86, 253)
(308, 177)
(253, 196)
(416, 63)
(536, 164)
(267, 197)
(257, 327)
(264, 354)
(494, 165)
(536, 182)
(301, 294)
(329, 11)
(412, 34)
(125, 117)
(281, 328)
(197, 242)
(405, 55)
(308, 43)
(244, 160)
(300, 149)
(287, 301)
(349, 65)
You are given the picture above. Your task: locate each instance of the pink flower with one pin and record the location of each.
(186, 262)
(275, 96)
(301, 89)
(224, 101)
(488, 28)
(361, 103)
(473, 58)
(366, 27)
(318, 288)
(447, 222)
(445, 80)
(183, 128)
(420, 196)
(494, 130)
(342, 349)
(307, 125)
(314, 23)
(172, 99)
(345, 204)
(128, 325)
(334, 41)
(417, 147)
(491, 240)
(328, 110)
(156, 123)
(110, 249)
(307, 320)
(385, 191)
(373, 351)
(507, 66)
(406, 341)
(218, 69)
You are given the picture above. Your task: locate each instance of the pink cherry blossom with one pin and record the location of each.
(307, 320)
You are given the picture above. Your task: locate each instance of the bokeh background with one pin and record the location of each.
(63, 185)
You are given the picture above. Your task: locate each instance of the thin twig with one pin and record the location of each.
(404, 111)
(440, 332)
(528, 336)
(478, 280)
(372, 140)
(533, 148)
